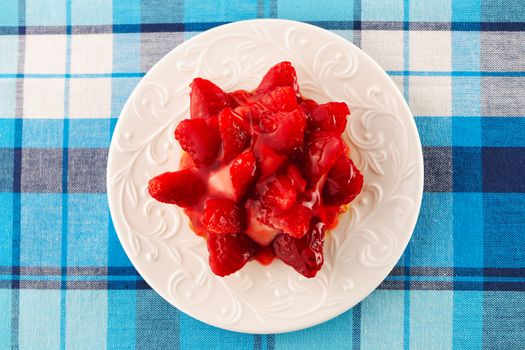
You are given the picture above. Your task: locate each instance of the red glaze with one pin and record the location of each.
(265, 173)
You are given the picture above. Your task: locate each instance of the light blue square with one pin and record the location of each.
(503, 229)
(160, 11)
(503, 319)
(9, 61)
(5, 317)
(435, 131)
(42, 133)
(121, 89)
(126, 52)
(466, 11)
(467, 322)
(432, 242)
(121, 319)
(330, 332)
(86, 319)
(382, 10)
(39, 319)
(126, 11)
(468, 230)
(7, 132)
(87, 229)
(41, 222)
(9, 13)
(503, 132)
(465, 51)
(8, 93)
(194, 332)
(219, 11)
(430, 11)
(91, 12)
(466, 131)
(152, 309)
(6, 230)
(382, 320)
(46, 12)
(89, 133)
(466, 92)
(433, 312)
(117, 256)
(314, 10)
(508, 11)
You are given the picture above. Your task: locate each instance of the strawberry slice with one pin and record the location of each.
(269, 160)
(235, 138)
(330, 116)
(294, 173)
(287, 130)
(229, 253)
(282, 74)
(242, 172)
(278, 192)
(241, 97)
(200, 140)
(182, 188)
(256, 228)
(304, 254)
(207, 99)
(294, 221)
(323, 150)
(307, 106)
(282, 99)
(343, 184)
(221, 216)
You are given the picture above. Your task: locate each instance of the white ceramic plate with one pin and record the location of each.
(359, 253)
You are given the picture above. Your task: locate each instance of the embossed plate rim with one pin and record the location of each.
(374, 93)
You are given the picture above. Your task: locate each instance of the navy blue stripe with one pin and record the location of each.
(201, 26)
(17, 184)
(270, 342)
(356, 327)
(406, 81)
(139, 284)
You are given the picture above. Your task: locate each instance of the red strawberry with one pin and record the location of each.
(269, 160)
(343, 184)
(277, 192)
(304, 254)
(257, 223)
(207, 99)
(242, 172)
(296, 176)
(235, 138)
(282, 74)
(323, 150)
(295, 221)
(221, 216)
(182, 188)
(229, 253)
(288, 132)
(282, 99)
(201, 141)
(241, 97)
(265, 255)
(330, 116)
(307, 106)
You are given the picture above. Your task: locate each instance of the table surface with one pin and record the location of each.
(68, 66)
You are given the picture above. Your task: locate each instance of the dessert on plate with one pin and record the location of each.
(264, 174)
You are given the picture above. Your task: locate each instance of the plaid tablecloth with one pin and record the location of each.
(67, 67)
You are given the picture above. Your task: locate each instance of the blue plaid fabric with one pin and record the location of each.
(67, 67)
